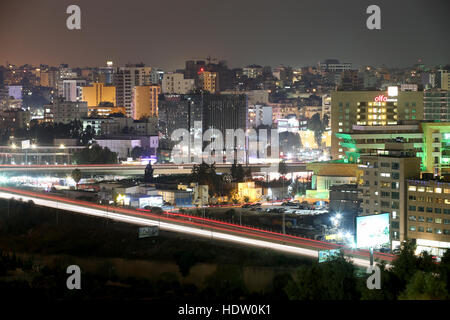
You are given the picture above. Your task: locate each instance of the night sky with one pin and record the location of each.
(165, 33)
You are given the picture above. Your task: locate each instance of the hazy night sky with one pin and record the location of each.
(165, 33)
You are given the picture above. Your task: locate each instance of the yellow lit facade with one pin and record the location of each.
(248, 189)
(210, 81)
(145, 101)
(97, 93)
(105, 110)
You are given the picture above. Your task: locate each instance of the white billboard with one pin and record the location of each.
(372, 231)
(26, 144)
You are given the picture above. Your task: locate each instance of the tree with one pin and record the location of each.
(206, 174)
(332, 280)
(283, 170)
(148, 175)
(137, 152)
(95, 154)
(87, 135)
(240, 174)
(76, 175)
(316, 125)
(424, 286)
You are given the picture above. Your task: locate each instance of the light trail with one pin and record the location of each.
(199, 227)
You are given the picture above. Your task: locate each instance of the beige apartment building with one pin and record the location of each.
(384, 188)
(175, 83)
(428, 214)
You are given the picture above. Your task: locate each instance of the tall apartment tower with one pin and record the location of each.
(125, 79)
(383, 187)
(210, 81)
(145, 101)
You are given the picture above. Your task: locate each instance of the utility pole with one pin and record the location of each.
(284, 223)
(371, 257)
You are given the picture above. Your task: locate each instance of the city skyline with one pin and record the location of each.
(241, 33)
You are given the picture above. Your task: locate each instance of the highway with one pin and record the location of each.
(159, 168)
(196, 226)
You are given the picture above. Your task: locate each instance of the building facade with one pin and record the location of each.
(145, 101)
(98, 93)
(372, 108)
(383, 186)
(428, 214)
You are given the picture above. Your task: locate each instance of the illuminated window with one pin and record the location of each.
(412, 188)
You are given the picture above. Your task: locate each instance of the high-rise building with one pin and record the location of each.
(175, 83)
(97, 93)
(442, 80)
(436, 103)
(223, 111)
(70, 90)
(384, 188)
(428, 214)
(429, 141)
(107, 73)
(179, 112)
(125, 79)
(371, 108)
(252, 71)
(67, 111)
(156, 76)
(145, 101)
(259, 115)
(209, 81)
(193, 68)
(49, 78)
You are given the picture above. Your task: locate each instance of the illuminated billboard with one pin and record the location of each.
(372, 231)
(327, 255)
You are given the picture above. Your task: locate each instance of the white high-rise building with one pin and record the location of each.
(125, 79)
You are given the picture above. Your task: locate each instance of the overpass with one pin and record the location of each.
(133, 169)
(196, 226)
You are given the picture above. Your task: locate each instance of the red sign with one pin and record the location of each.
(381, 98)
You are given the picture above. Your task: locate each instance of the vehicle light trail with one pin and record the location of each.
(195, 226)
